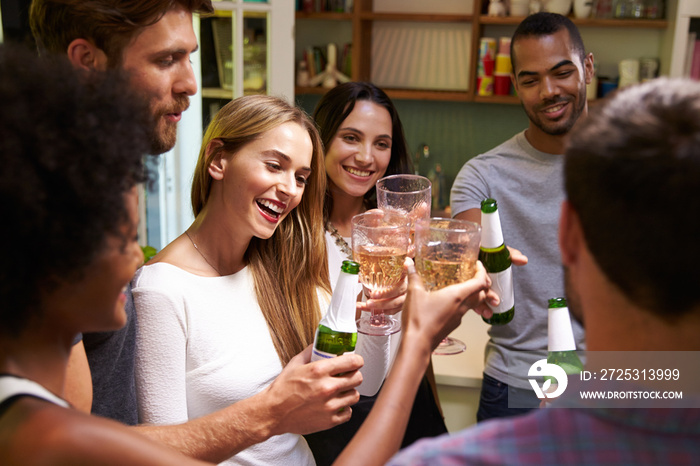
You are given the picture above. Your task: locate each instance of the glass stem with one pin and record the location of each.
(377, 318)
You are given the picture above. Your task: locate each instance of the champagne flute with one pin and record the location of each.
(446, 253)
(407, 195)
(379, 245)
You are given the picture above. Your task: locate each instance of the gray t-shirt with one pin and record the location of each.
(111, 359)
(528, 186)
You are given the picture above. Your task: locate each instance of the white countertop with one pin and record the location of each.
(464, 369)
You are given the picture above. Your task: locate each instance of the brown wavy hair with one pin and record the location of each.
(332, 110)
(289, 268)
(110, 24)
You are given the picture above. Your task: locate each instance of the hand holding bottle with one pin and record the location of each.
(428, 317)
(497, 259)
(516, 257)
(311, 396)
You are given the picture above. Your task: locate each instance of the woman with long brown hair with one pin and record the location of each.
(364, 141)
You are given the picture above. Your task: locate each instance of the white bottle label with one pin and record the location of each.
(502, 284)
(560, 333)
(491, 233)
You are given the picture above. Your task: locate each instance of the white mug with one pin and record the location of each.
(519, 7)
(582, 8)
(563, 7)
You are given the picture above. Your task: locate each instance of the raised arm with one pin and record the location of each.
(427, 318)
(48, 434)
(304, 398)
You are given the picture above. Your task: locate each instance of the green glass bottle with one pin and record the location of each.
(337, 331)
(495, 256)
(561, 343)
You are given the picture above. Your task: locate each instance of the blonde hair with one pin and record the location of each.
(292, 265)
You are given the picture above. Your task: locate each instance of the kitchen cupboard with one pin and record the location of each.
(380, 31)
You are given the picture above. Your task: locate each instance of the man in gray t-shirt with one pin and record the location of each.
(524, 175)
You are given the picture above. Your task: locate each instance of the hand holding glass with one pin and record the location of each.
(379, 245)
(446, 253)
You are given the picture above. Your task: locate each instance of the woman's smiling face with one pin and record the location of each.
(265, 179)
(360, 151)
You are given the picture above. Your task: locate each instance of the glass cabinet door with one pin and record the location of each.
(248, 49)
(244, 49)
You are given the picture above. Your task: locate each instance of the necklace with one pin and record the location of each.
(201, 254)
(339, 240)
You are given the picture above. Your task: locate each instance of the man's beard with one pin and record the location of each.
(164, 132)
(564, 127)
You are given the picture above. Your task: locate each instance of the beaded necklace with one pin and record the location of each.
(339, 240)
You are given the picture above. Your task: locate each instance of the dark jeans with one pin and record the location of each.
(494, 400)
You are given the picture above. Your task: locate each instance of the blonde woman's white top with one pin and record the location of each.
(203, 344)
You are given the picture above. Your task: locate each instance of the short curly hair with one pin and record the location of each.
(71, 145)
(545, 24)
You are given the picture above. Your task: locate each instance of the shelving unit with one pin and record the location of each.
(364, 20)
(686, 13)
(246, 47)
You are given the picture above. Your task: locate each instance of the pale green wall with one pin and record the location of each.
(455, 131)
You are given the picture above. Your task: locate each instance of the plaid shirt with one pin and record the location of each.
(575, 435)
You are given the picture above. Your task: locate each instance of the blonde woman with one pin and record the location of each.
(228, 304)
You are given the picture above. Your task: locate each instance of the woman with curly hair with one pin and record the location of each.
(69, 207)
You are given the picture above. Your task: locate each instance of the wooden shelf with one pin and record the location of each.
(325, 15)
(371, 16)
(404, 94)
(497, 99)
(622, 23)
(588, 22)
(363, 19)
(426, 94)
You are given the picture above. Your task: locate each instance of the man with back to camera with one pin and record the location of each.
(524, 175)
(152, 41)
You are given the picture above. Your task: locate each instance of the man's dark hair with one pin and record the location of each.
(632, 174)
(545, 24)
(71, 146)
(110, 24)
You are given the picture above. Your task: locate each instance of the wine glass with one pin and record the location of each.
(446, 253)
(407, 195)
(379, 245)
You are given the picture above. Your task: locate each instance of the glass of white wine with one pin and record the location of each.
(405, 195)
(379, 245)
(446, 253)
